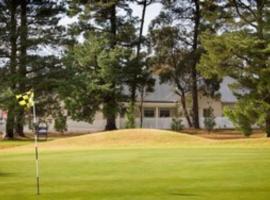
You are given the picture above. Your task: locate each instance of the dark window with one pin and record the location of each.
(149, 112)
(164, 113)
(205, 112)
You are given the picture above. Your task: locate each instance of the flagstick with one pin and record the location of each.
(36, 147)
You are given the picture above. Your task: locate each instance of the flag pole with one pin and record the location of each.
(36, 146)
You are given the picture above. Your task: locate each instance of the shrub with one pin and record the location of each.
(176, 124)
(209, 119)
(240, 119)
(130, 116)
(60, 123)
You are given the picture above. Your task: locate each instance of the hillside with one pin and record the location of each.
(143, 138)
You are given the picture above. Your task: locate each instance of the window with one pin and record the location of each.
(205, 112)
(164, 112)
(149, 112)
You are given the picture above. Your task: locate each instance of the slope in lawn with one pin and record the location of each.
(127, 137)
(145, 138)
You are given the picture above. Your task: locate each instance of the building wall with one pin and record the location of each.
(205, 102)
(148, 122)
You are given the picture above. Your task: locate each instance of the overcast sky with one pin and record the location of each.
(152, 11)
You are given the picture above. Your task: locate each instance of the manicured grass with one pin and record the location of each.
(144, 172)
(4, 144)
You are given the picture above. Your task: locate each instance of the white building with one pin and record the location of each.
(159, 108)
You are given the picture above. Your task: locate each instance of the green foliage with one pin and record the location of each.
(177, 124)
(242, 52)
(95, 78)
(60, 123)
(209, 119)
(244, 115)
(130, 116)
(104, 58)
(28, 28)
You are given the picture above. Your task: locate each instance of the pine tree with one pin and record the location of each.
(171, 62)
(185, 18)
(8, 51)
(33, 27)
(136, 71)
(241, 51)
(100, 18)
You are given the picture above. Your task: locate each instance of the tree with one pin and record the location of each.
(209, 119)
(137, 68)
(186, 19)
(192, 13)
(8, 51)
(242, 117)
(101, 17)
(146, 84)
(90, 77)
(172, 61)
(241, 51)
(31, 27)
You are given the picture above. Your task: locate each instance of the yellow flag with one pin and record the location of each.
(26, 99)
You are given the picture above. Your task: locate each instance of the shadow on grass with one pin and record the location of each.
(5, 174)
(184, 194)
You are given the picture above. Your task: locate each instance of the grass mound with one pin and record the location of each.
(140, 138)
(127, 137)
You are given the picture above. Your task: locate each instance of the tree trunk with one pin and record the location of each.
(183, 102)
(133, 101)
(141, 107)
(111, 123)
(111, 117)
(134, 82)
(10, 124)
(19, 123)
(22, 66)
(195, 106)
(13, 62)
(267, 124)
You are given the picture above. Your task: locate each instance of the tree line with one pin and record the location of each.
(191, 44)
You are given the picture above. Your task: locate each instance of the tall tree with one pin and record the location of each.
(102, 17)
(185, 17)
(241, 50)
(137, 69)
(172, 64)
(8, 55)
(22, 64)
(33, 28)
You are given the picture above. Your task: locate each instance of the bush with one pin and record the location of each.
(130, 116)
(177, 124)
(209, 119)
(60, 123)
(240, 119)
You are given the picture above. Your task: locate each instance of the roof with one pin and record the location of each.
(165, 92)
(226, 93)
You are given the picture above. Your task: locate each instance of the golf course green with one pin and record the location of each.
(138, 165)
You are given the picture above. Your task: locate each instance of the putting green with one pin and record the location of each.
(156, 165)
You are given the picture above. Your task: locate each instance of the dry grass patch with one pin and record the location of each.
(143, 138)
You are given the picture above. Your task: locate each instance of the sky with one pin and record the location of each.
(152, 12)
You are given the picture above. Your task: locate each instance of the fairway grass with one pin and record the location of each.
(105, 167)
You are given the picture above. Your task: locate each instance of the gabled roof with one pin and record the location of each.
(226, 93)
(165, 92)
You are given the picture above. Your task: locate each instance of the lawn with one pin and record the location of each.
(139, 166)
